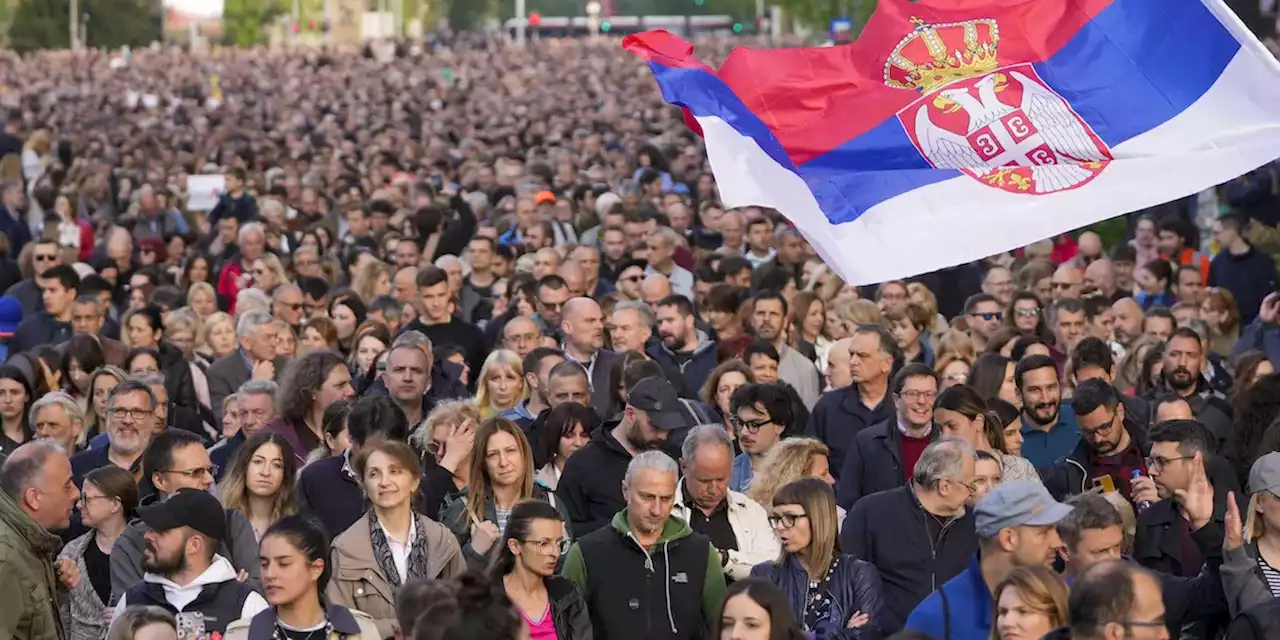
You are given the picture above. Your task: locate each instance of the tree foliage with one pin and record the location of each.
(817, 14)
(243, 20)
(43, 24)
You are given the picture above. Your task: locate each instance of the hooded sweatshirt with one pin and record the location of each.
(590, 486)
(673, 590)
(695, 366)
(207, 605)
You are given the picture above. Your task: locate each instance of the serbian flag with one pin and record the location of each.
(956, 129)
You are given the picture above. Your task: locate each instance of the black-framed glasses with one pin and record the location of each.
(197, 473)
(1096, 431)
(84, 500)
(786, 520)
(914, 396)
(1158, 463)
(994, 315)
(741, 425)
(137, 415)
(557, 547)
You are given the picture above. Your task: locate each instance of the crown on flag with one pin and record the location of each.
(935, 54)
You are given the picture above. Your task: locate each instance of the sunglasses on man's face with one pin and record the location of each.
(998, 315)
(45, 257)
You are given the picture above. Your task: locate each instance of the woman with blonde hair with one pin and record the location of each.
(183, 330)
(1251, 547)
(790, 459)
(219, 336)
(268, 273)
(953, 369)
(449, 434)
(317, 333)
(847, 601)
(202, 300)
(924, 297)
(1031, 601)
(1129, 373)
(372, 280)
(808, 325)
(501, 476)
(501, 383)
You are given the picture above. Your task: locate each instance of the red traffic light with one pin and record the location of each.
(535, 19)
(296, 27)
(311, 25)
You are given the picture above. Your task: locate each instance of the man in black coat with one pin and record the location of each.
(1111, 446)
(883, 456)
(255, 359)
(53, 325)
(841, 414)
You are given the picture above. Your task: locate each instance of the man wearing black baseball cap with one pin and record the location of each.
(591, 483)
(184, 574)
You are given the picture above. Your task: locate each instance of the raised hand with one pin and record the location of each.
(1197, 498)
(1234, 536)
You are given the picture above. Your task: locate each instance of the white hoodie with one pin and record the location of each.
(220, 570)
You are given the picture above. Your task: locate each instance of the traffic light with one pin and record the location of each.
(605, 26)
(535, 19)
(737, 27)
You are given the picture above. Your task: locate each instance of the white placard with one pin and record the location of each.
(203, 191)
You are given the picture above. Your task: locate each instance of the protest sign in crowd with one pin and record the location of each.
(463, 344)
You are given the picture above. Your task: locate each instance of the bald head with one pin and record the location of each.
(1128, 320)
(404, 286)
(1089, 245)
(583, 326)
(574, 277)
(1100, 276)
(654, 288)
(838, 373)
(1068, 282)
(37, 476)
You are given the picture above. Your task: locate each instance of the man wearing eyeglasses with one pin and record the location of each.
(53, 325)
(1115, 599)
(983, 316)
(287, 304)
(883, 456)
(1067, 283)
(1111, 447)
(1180, 454)
(177, 460)
(27, 290)
(998, 283)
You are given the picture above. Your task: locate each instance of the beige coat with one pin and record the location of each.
(358, 582)
(243, 629)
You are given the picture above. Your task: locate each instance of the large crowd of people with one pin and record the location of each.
(469, 348)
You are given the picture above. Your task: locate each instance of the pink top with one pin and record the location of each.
(542, 629)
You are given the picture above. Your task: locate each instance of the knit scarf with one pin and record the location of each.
(417, 569)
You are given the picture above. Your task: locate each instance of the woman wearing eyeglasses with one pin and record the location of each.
(108, 497)
(834, 595)
(526, 565)
(501, 476)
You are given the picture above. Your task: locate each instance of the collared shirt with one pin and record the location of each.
(742, 472)
(521, 410)
(1043, 448)
(589, 366)
(715, 526)
(400, 550)
(248, 364)
(681, 279)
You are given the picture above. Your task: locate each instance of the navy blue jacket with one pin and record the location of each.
(961, 609)
(855, 587)
(694, 370)
(838, 416)
(1249, 277)
(889, 530)
(873, 463)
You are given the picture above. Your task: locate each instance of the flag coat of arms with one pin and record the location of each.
(956, 129)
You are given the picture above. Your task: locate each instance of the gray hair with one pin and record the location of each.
(1202, 329)
(287, 287)
(152, 380)
(249, 323)
(704, 435)
(91, 300)
(414, 338)
(131, 385)
(259, 387)
(942, 460)
(651, 461)
(251, 299)
(60, 398)
(643, 310)
(668, 235)
(25, 464)
(127, 624)
(248, 227)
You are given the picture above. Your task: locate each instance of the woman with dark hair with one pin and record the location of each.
(808, 318)
(960, 411)
(1250, 367)
(197, 269)
(1026, 315)
(390, 546)
(296, 571)
(1028, 346)
(717, 391)
(834, 595)
(309, 385)
(336, 438)
(260, 483)
(348, 314)
(532, 545)
(1256, 409)
(565, 429)
(501, 476)
(142, 360)
(82, 356)
(1011, 421)
(754, 609)
(16, 397)
(370, 340)
(1149, 373)
(992, 377)
(466, 608)
(617, 384)
(107, 500)
(1153, 280)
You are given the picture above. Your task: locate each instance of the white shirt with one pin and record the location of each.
(399, 551)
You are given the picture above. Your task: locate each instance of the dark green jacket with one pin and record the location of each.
(28, 581)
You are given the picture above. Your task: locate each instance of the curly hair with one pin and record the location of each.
(302, 380)
(789, 460)
(1255, 410)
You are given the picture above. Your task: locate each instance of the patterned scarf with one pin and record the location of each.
(417, 569)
